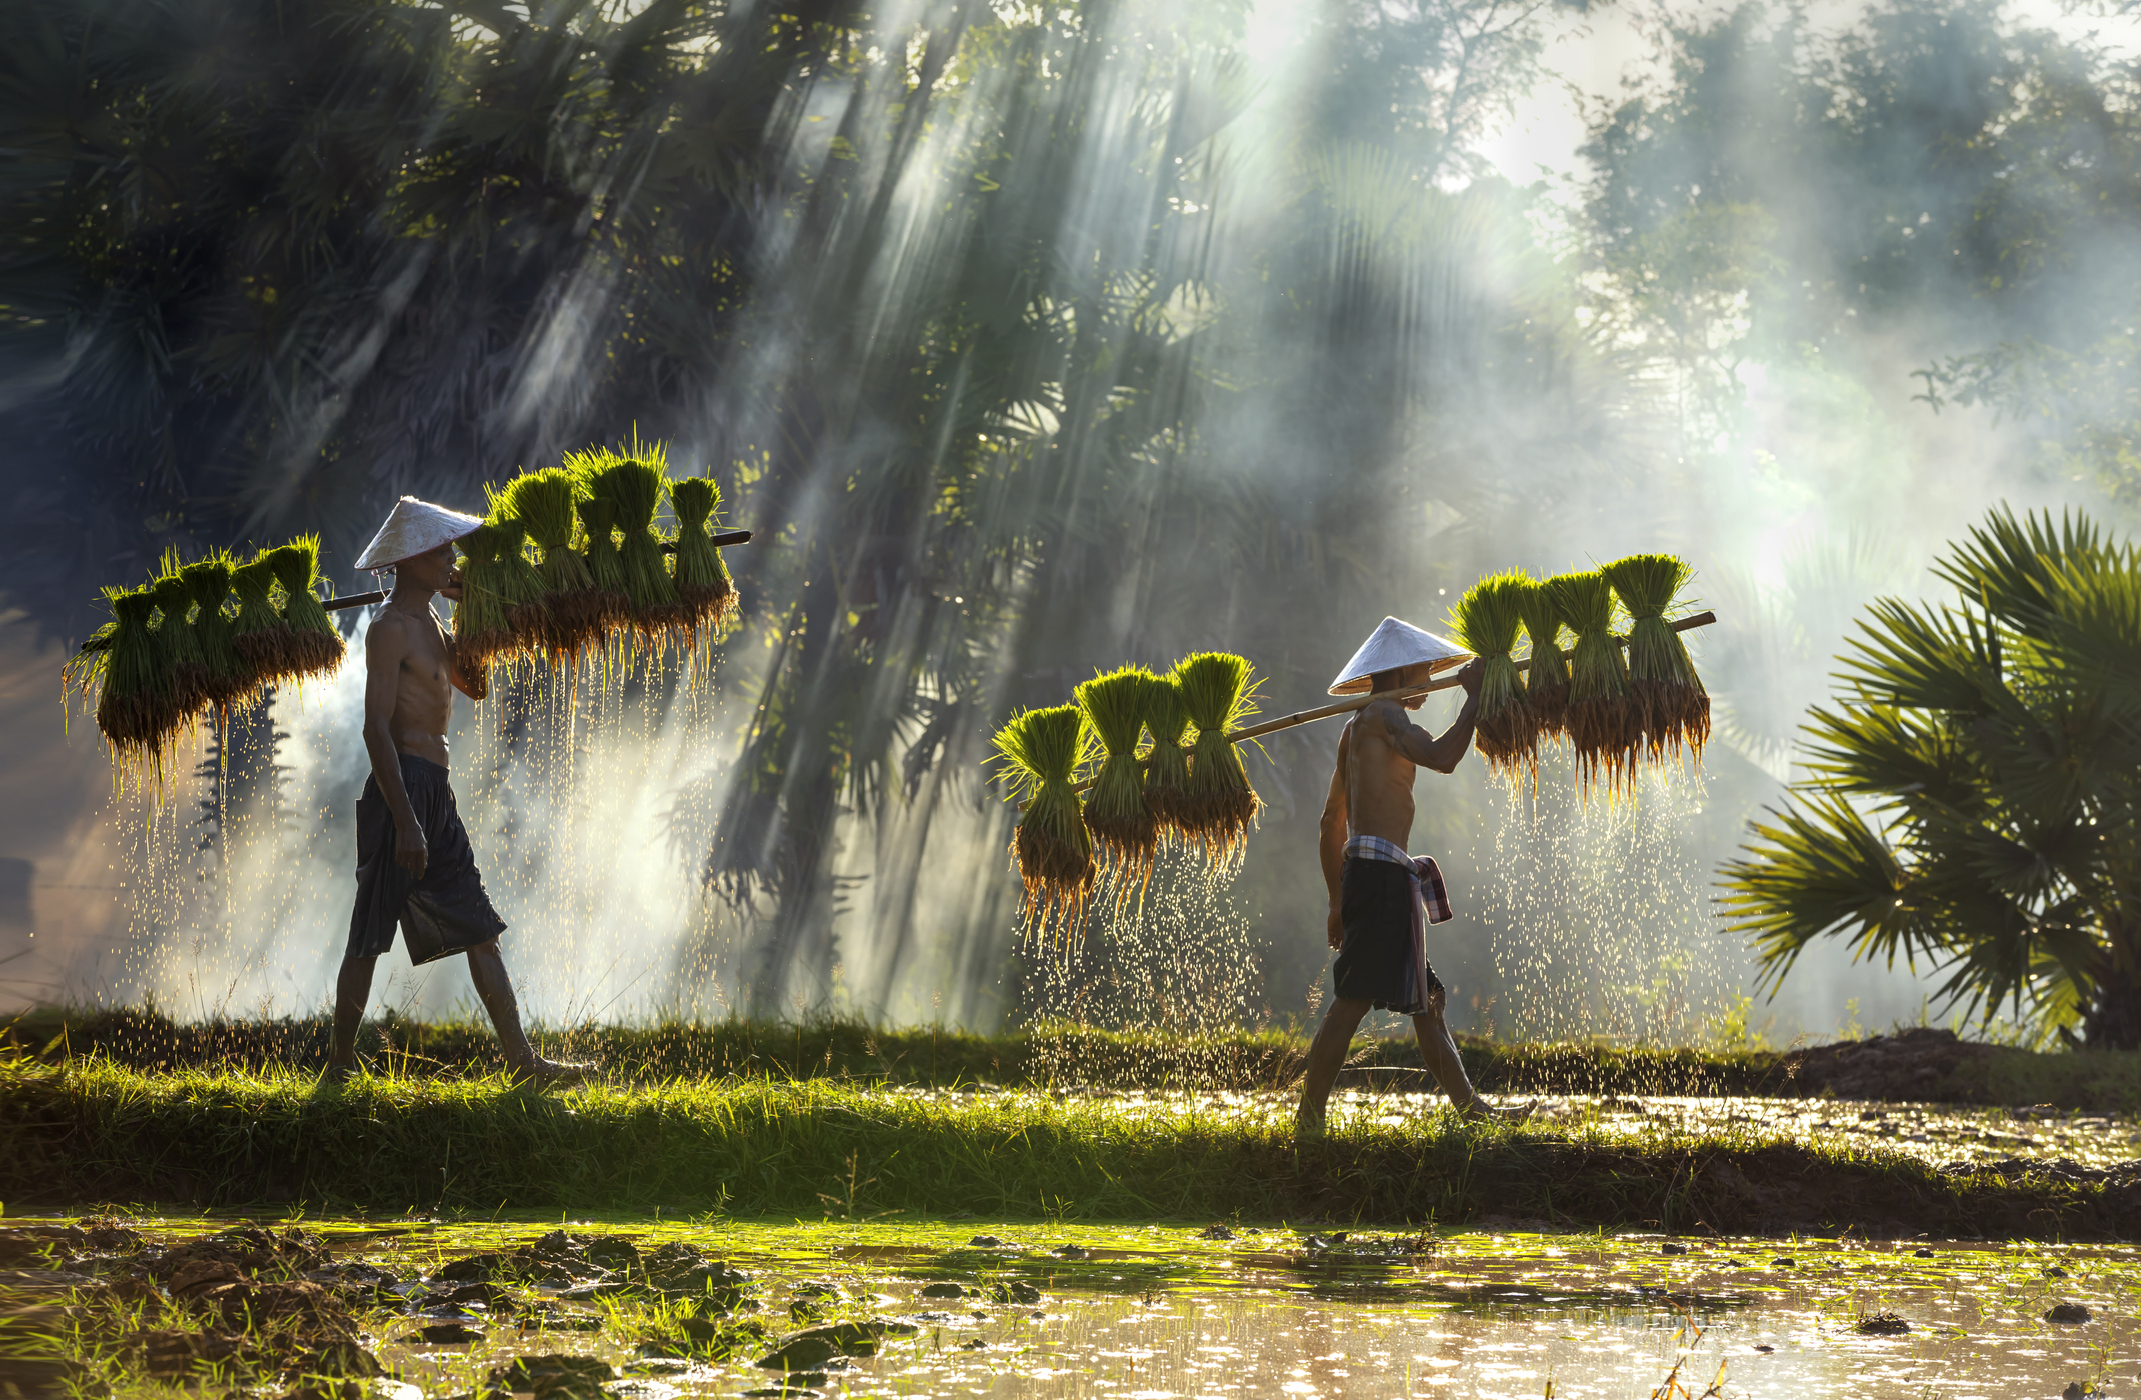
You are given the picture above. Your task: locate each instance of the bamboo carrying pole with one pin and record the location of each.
(365, 600)
(1362, 702)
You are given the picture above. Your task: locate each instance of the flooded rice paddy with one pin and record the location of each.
(1938, 1133)
(443, 1306)
(903, 1306)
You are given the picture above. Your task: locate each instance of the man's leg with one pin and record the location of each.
(1326, 1056)
(1439, 1051)
(488, 971)
(353, 989)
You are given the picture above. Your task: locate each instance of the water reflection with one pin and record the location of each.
(1159, 1312)
(1469, 1315)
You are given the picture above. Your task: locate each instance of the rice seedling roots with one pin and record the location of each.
(1132, 840)
(1508, 741)
(1218, 821)
(708, 605)
(313, 654)
(1056, 873)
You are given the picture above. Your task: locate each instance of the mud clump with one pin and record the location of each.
(704, 1339)
(234, 1300)
(1920, 1064)
(481, 1268)
(807, 1351)
(599, 1264)
(553, 1376)
(249, 1249)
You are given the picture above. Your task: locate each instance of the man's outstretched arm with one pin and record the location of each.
(477, 684)
(1423, 748)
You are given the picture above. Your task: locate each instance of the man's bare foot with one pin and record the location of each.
(552, 1074)
(1481, 1109)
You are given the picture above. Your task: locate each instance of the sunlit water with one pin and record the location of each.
(1155, 1312)
(1932, 1132)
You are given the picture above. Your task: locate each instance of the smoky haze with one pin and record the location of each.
(1058, 343)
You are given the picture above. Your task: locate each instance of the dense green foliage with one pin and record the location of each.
(509, 236)
(995, 418)
(1934, 173)
(1973, 790)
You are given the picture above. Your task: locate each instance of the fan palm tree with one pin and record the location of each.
(1972, 790)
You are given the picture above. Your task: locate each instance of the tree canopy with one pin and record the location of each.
(1934, 176)
(1973, 788)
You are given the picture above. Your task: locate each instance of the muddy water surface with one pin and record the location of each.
(1145, 1312)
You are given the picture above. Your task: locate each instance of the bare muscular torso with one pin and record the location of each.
(1379, 754)
(1378, 777)
(419, 706)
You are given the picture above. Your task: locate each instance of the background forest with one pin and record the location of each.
(1029, 340)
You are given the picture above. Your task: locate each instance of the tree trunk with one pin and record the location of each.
(2114, 1021)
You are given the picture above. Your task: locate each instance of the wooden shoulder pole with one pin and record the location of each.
(1362, 702)
(1447, 681)
(722, 539)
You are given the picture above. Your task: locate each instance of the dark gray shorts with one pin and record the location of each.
(1375, 909)
(444, 913)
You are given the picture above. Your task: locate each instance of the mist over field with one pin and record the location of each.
(1028, 343)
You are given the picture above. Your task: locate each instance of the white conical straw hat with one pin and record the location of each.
(414, 527)
(1396, 646)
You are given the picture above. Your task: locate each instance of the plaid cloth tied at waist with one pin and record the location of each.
(1429, 897)
(1429, 893)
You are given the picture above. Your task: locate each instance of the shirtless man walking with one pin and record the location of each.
(414, 864)
(1378, 893)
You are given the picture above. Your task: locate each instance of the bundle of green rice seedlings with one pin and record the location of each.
(1115, 811)
(1486, 621)
(258, 631)
(82, 677)
(1039, 752)
(598, 519)
(1603, 723)
(632, 483)
(543, 502)
(1218, 806)
(519, 582)
(703, 585)
(179, 649)
(316, 647)
(1674, 707)
(1546, 683)
(482, 634)
(133, 685)
(230, 680)
(1167, 762)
